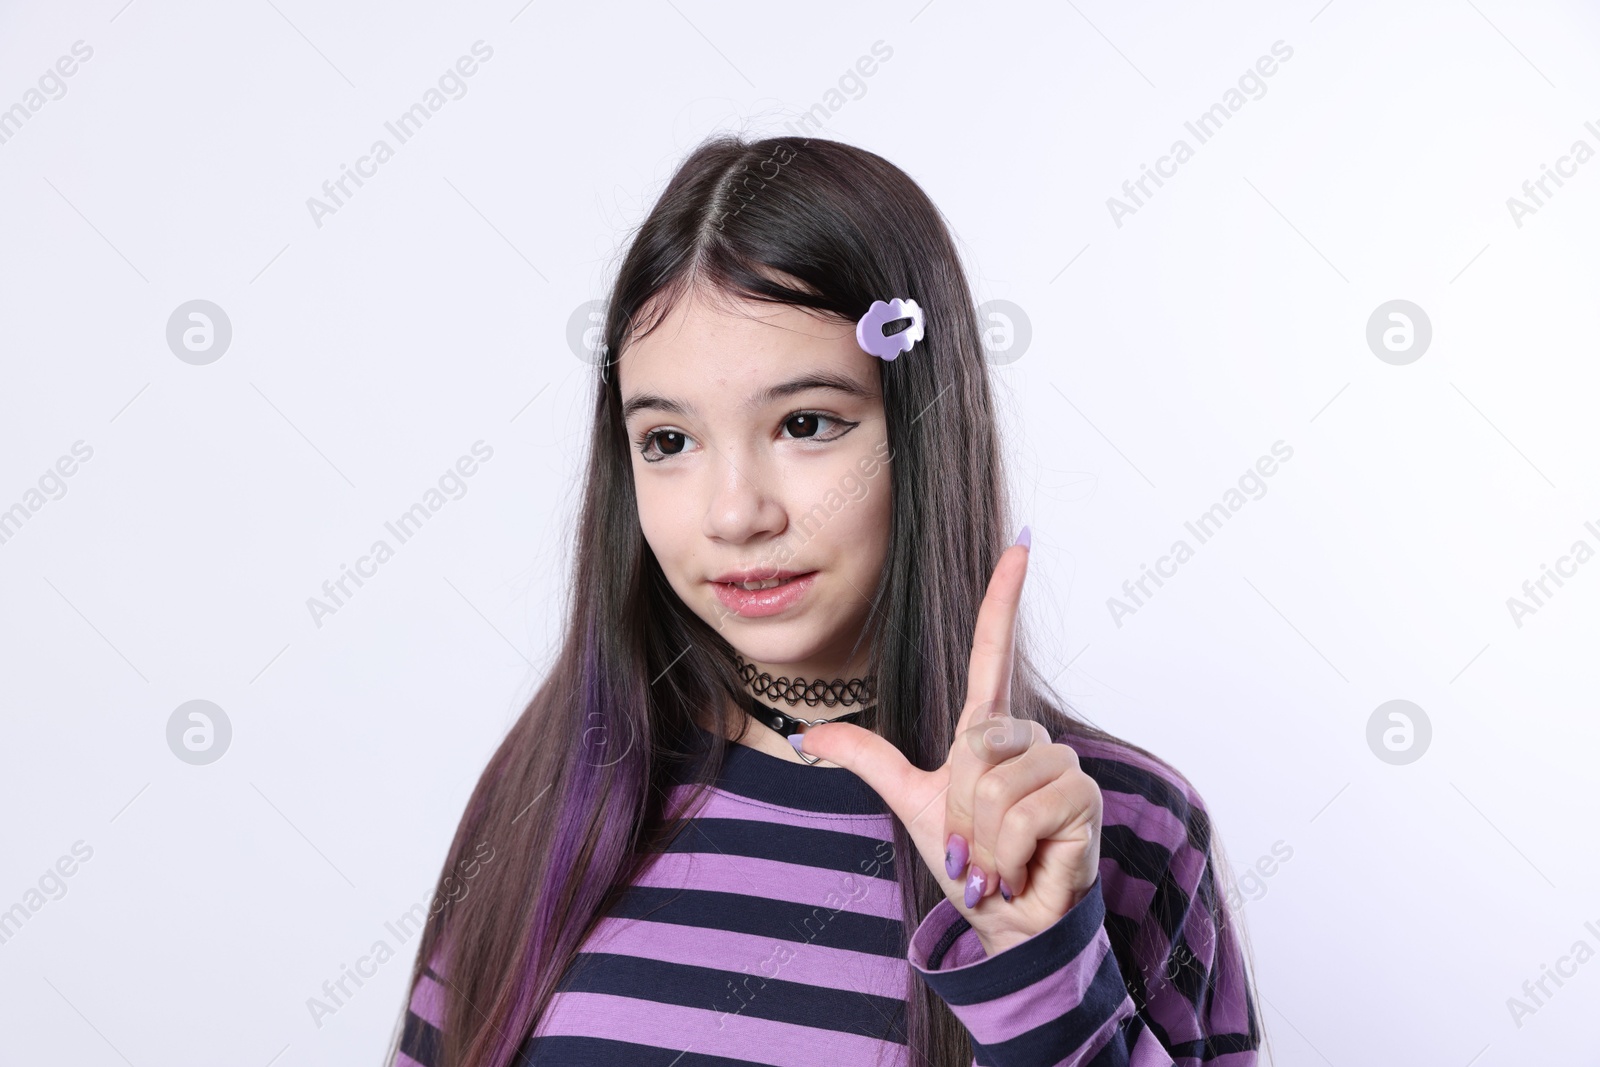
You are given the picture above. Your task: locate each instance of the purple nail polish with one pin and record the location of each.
(955, 855)
(1025, 538)
(975, 886)
(795, 740)
(1005, 891)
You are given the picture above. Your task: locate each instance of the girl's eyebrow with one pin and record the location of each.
(820, 380)
(653, 402)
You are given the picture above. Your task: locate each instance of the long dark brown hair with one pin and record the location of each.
(573, 800)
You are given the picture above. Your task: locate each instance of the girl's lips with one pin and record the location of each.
(757, 603)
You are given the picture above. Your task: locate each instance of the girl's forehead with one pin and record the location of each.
(740, 345)
(701, 312)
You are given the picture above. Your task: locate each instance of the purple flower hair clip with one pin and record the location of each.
(869, 330)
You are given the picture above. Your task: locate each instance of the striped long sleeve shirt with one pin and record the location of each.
(769, 932)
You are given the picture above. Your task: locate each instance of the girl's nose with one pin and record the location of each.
(740, 504)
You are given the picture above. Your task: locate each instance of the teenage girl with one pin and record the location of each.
(793, 792)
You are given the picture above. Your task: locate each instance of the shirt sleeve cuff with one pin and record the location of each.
(1058, 993)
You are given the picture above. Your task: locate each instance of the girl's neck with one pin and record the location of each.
(759, 736)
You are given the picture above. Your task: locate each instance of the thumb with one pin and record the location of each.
(870, 757)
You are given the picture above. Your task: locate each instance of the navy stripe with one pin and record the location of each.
(1140, 858)
(421, 1040)
(558, 1051)
(831, 850)
(1186, 972)
(749, 772)
(755, 995)
(1135, 972)
(1225, 1044)
(1209, 1048)
(1122, 777)
(779, 919)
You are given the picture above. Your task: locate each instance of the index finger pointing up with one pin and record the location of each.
(989, 669)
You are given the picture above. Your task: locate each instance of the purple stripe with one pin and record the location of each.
(1124, 894)
(402, 1060)
(1150, 821)
(965, 949)
(931, 930)
(797, 883)
(1187, 867)
(1232, 1059)
(427, 1000)
(1148, 1051)
(711, 1033)
(817, 965)
(724, 805)
(1170, 1011)
(1228, 1014)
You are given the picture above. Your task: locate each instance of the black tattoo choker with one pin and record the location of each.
(838, 693)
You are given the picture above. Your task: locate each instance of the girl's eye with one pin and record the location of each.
(662, 443)
(814, 426)
(659, 444)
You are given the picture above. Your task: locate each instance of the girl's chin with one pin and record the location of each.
(781, 649)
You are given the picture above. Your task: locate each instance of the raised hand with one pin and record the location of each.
(1009, 814)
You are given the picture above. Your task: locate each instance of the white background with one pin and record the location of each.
(1167, 354)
